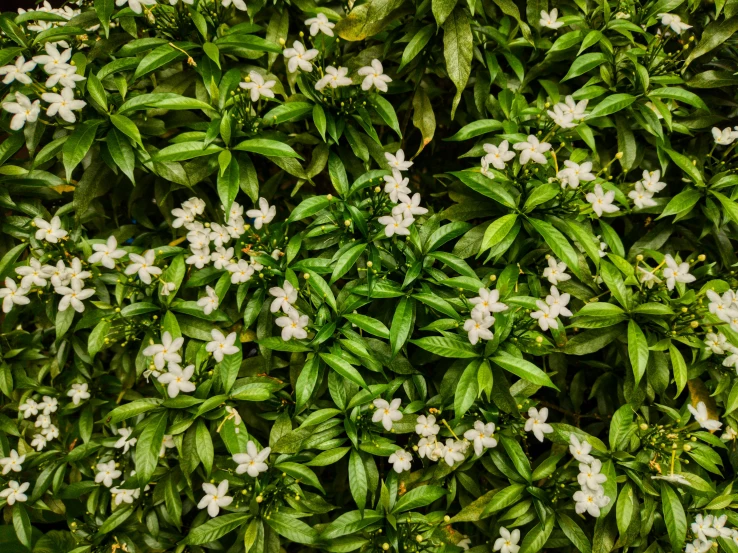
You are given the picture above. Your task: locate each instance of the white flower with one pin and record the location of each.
(464, 544)
(408, 207)
(221, 257)
(675, 478)
(78, 393)
(284, 297)
(575, 109)
(426, 426)
(590, 475)
(588, 501)
(235, 415)
(24, 111)
(536, 423)
(29, 408)
(508, 541)
(143, 265)
(135, 5)
(482, 436)
(64, 104)
(49, 405)
(401, 461)
(215, 498)
(641, 197)
(59, 274)
(76, 274)
(556, 271)
(546, 316)
(374, 76)
(39, 442)
(43, 421)
(675, 22)
(602, 201)
(177, 379)
(562, 118)
(252, 462)
(166, 352)
(558, 302)
(722, 307)
(238, 4)
(550, 19)
(258, 86)
(107, 253)
(299, 58)
(263, 215)
(320, 24)
(575, 173)
(209, 302)
(488, 302)
(729, 434)
(703, 418)
(199, 258)
(167, 287)
(15, 492)
(222, 345)
(18, 71)
(397, 161)
(396, 224)
(12, 462)
(293, 325)
(73, 296)
(674, 272)
(724, 137)
(12, 295)
(194, 205)
(478, 326)
(395, 185)
(717, 342)
(580, 450)
(53, 59)
(701, 526)
(718, 529)
(240, 272)
(453, 452)
(50, 432)
(498, 156)
(106, 473)
(648, 277)
(123, 495)
(651, 181)
(182, 217)
(387, 413)
(125, 441)
(65, 76)
(167, 442)
(51, 231)
(532, 150)
(334, 78)
(426, 447)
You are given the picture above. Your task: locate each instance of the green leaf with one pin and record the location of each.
(612, 104)
(77, 145)
(686, 165)
(300, 473)
(522, 368)
(148, 446)
(681, 203)
(96, 341)
(442, 9)
(467, 389)
(637, 350)
(497, 231)
(679, 367)
(229, 183)
(320, 286)
(584, 63)
(357, 479)
(267, 147)
(127, 127)
(22, 525)
(417, 43)
(387, 112)
(158, 58)
(729, 206)
(347, 260)
(558, 243)
(503, 499)
(292, 528)
(681, 95)
(486, 186)
(447, 347)
(369, 324)
(343, 368)
(674, 517)
(574, 532)
(458, 44)
(418, 497)
(215, 528)
(7, 261)
(337, 172)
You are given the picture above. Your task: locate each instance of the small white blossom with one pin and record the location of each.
(49, 405)
(107, 253)
(641, 197)
(575, 173)
(221, 257)
(602, 201)
(575, 109)
(177, 379)
(15, 492)
(426, 426)
(334, 77)
(395, 185)
(536, 423)
(73, 295)
(676, 272)
(387, 412)
(125, 442)
(703, 418)
(675, 22)
(12, 462)
(580, 450)
(299, 58)
(400, 460)
(408, 207)
(508, 541)
(222, 345)
(546, 316)
(488, 302)
(590, 475)
(717, 343)
(42, 421)
(723, 137)
(143, 265)
(532, 150)
(374, 76)
(123, 495)
(453, 451)
(238, 4)
(240, 272)
(284, 297)
(23, 110)
(66, 77)
(166, 352)
(498, 156)
(652, 181)
(320, 24)
(397, 161)
(13, 295)
(78, 392)
(588, 501)
(18, 71)
(63, 104)
(558, 302)
(396, 225)
(647, 277)
(293, 325)
(252, 462)
(556, 271)
(106, 473)
(263, 215)
(209, 302)
(53, 59)
(478, 326)
(51, 231)
(722, 306)
(215, 498)
(29, 408)
(39, 442)
(701, 526)
(482, 436)
(135, 5)
(549, 19)
(199, 258)
(258, 87)
(562, 118)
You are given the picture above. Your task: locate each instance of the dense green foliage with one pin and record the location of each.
(400, 276)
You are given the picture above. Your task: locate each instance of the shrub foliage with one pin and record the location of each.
(380, 275)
